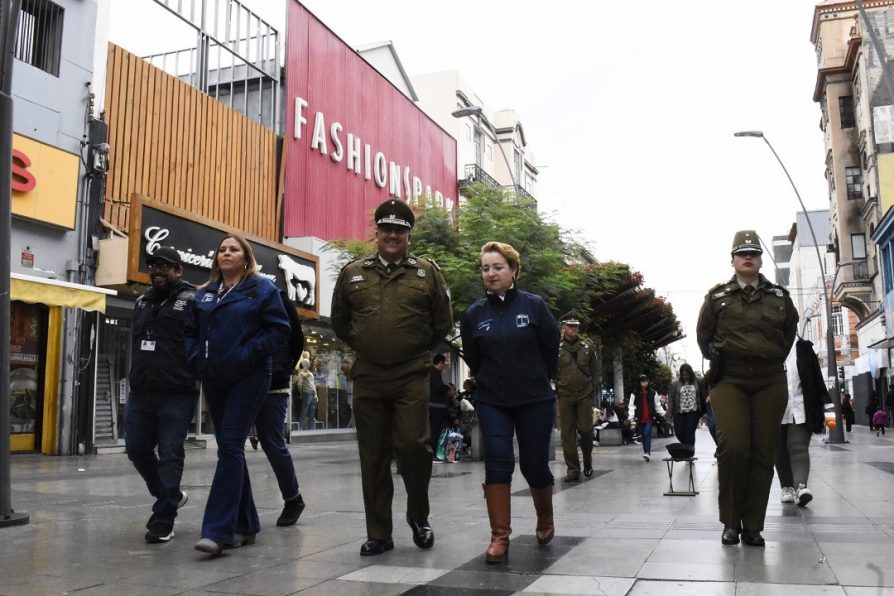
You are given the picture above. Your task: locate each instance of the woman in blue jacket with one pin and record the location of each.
(511, 344)
(236, 324)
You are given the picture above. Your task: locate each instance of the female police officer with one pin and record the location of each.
(746, 328)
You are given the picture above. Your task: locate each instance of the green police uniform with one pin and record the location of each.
(748, 332)
(393, 321)
(576, 383)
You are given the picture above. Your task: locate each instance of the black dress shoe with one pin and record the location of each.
(588, 472)
(375, 547)
(730, 536)
(572, 478)
(752, 538)
(423, 535)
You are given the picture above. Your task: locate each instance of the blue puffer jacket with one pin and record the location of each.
(236, 337)
(512, 348)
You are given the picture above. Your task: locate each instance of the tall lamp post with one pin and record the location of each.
(9, 16)
(479, 111)
(836, 435)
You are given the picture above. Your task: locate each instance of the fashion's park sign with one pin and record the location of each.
(352, 139)
(362, 159)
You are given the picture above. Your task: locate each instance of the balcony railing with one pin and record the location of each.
(475, 173)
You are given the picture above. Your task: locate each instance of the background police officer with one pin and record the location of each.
(576, 384)
(392, 308)
(162, 389)
(746, 327)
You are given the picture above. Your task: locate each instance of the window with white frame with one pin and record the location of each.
(858, 246)
(837, 321)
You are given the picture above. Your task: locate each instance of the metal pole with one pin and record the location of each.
(836, 435)
(9, 14)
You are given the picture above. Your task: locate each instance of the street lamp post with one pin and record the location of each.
(836, 435)
(479, 111)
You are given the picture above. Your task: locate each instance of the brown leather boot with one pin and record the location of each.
(498, 510)
(543, 504)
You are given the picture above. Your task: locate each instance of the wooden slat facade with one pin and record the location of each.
(174, 144)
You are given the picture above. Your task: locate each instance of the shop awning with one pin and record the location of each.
(38, 290)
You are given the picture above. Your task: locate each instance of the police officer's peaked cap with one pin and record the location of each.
(747, 241)
(164, 254)
(394, 212)
(570, 318)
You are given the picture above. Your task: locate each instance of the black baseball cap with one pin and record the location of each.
(165, 254)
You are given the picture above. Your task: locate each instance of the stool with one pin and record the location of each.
(669, 461)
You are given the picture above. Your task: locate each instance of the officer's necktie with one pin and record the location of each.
(749, 291)
(389, 268)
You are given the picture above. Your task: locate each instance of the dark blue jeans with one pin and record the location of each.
(533, 425)
(231, 508)
(158, 420)
(270, 423)
(712, 422)
(685, 425)
(646, 436)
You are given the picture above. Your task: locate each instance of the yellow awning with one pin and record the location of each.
(38, 290)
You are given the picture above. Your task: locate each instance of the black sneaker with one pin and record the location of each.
(291, 512)
(160, 530)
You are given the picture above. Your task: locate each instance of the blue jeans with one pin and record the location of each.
(308, 410)
(533, 425)
(231, 508)
(685, 425)
(158, 420)
(269, 424)
(712, 422)
(646, 436)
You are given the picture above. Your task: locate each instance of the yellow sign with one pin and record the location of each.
(44, 182)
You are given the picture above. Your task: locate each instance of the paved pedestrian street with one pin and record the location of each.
(616, 533)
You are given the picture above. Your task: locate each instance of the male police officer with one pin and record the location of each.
(746, 327)
(392, 308)
(162, 389)
(576, 384)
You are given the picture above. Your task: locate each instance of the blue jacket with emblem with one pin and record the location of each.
(237, 336)
(512, 348)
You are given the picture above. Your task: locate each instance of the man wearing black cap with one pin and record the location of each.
(162, 389)
(746, 327)
(577, 382)
(392, 309)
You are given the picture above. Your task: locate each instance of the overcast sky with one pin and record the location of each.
(630, 109)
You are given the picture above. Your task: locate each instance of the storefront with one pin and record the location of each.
(36, 315)
(122, 264)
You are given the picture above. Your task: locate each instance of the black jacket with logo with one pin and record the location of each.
(162, 367)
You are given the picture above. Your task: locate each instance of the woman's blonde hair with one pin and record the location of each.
(513, 259)
(251, 265)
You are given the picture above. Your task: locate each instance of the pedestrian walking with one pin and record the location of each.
(880, 421)
(236, 326)
(645, 410)
(392, 308)
(577, 385)
(683, 404)
(847, 411)
(437, 402)
(307, 388)
(270, 422)
(511, 344)
(746, 327)
(809, 406)
(872, 404)
(163, 389)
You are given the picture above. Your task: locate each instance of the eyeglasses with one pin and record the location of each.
(161, 266)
